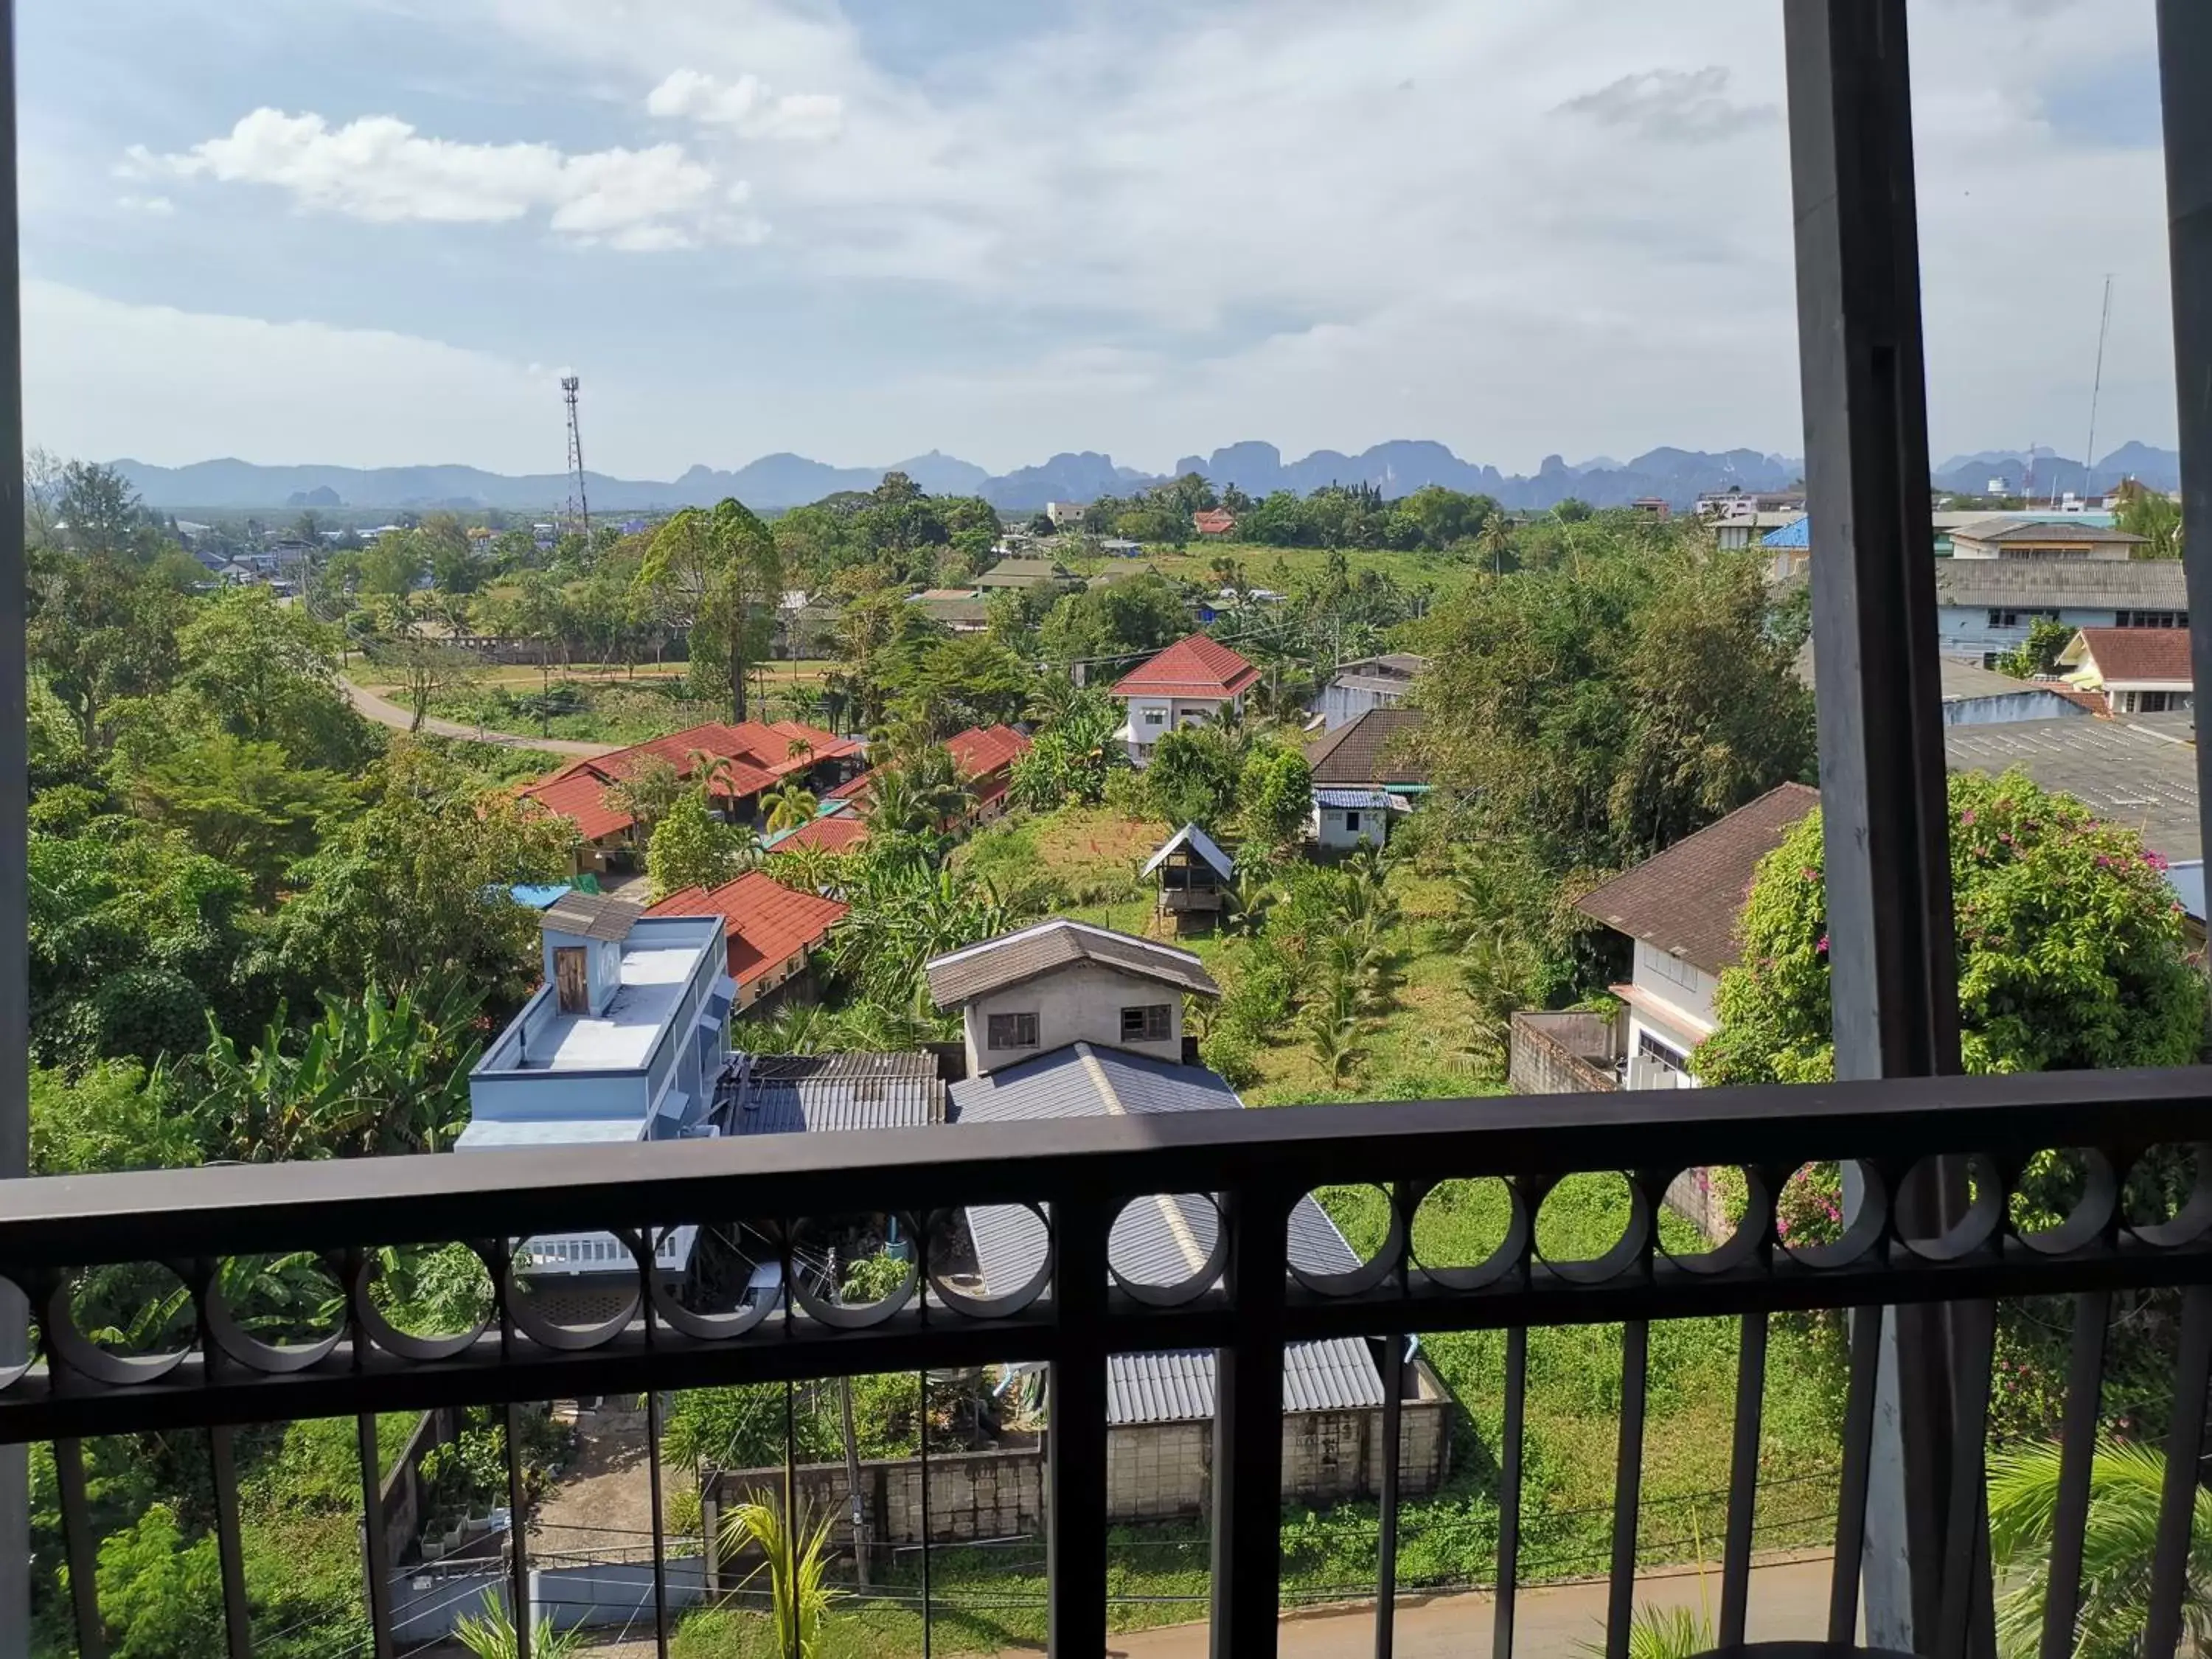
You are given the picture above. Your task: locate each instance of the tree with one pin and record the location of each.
(790, 806)
(2071, 955)
(721, 571)
(2038, 654)
(268, 673)
(241, 802)
(2127, 1483)
(392, 565)
(1073, 755)
(794, 1552)
(400, 892)
(99, 631)
(112, 1114)
(101, 510)
(693, 848)
(1193, 776)
(426, 669)
(1123, 620)
(653, 789)
(1274, 796)
(2153, 515)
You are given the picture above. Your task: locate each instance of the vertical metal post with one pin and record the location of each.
(1627, 1485)
(517, 1525)
(659, 1534)
(15, 796)
(921, 1380)
(1386, 1526)
(1743, 1478)
(82, 1555)
(1893, 976)
(1248, 1430)
(1508, 1491)
(1075, 1446)
(2184, 65)
(222, 1466)
(376, 1545)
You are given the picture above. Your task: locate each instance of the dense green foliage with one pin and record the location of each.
(2070, 941)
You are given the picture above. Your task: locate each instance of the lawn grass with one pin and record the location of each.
(1280, 568)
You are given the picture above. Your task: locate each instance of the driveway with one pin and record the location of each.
(385, 712)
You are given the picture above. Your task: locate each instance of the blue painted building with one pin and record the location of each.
(1984, 606)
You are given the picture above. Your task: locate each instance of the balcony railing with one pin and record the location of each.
(1972, 1137)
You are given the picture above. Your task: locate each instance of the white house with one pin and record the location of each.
(1370, 683)
(1365, 774)
(623, 1042)
(1190, 683)
(1682, 909)
(2141, 671)
(1028, 993)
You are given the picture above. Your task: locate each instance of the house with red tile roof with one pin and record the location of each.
(1213, 522)
(983, 757)
(745, 760)
(2141, 671)
(773, 931)
(838, 834)
(1191, 682)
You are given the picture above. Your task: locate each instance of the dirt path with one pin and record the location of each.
(385, 712)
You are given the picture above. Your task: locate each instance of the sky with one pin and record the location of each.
(376, 232)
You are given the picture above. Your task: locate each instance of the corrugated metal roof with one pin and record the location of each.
(787, 1094)
(593, 915)
(1199, 841)
(1352, 798)
(1177, 1387)
(1075, 1081)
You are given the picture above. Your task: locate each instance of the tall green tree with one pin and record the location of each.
(244, 803)
(268, 673)
(98, 630)
(101, 511)
(2071, 956)
(722, 571)
(690, 848)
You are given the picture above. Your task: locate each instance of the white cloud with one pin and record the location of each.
(102, 378)
(379, 168)
(749, 104)
(1674, 105)
(160, 206)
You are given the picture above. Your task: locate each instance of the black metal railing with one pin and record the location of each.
(1249, 1300)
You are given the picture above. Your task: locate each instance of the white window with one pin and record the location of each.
(1155, 717)
(1013, 1031)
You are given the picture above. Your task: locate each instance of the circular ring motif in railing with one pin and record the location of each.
(16, 1306)
(1511, 1251)
(1858, 1184)
(2194, 1218)
(2092, 1214)
(1182, 1219)
(1017, 1232)
(1976, 1226)
(837, 1314)
(1313, 1239)
(84, 1355)
(1716, 1197)
(270, 1359)
(405, 1344)
(752, 1309)
(524, 1263)
(1622, 1254)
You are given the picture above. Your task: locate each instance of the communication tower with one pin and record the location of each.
(580, 509)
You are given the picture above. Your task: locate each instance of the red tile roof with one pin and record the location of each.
(838, 834)
(761, 754)
(1213, 522)
(768, 923)
(981, 751)
(1193, 667)
(2133, 654)
(852, 788)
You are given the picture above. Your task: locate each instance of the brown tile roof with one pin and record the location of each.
(1686, 900)
(766, 923)
(2129, 654)
(1368, 750)
(962, 976)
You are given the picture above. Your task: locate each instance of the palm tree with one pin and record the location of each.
(790, 806)
(809, 868)
(1495, 542)
(795, 1556)
(492, 1637)
(799, 749)
(706, 769)
(2126, 1484)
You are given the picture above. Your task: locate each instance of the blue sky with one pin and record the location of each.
(375, 231)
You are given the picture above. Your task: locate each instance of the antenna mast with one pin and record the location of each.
(579, 510)
(2096, 386)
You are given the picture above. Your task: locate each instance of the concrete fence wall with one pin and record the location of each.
(428, 1602)
(1570, 1052)
(1154, 1472)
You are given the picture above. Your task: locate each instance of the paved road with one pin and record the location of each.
(385, 712)
(1788, 1600)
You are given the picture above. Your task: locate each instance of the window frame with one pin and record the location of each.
(1145, 1021)
(1013, 1024)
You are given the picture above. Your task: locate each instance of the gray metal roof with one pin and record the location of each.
(2001, 529)
(1090, 1080)
(2123, 584)
(2126, 772)
(1337, 1374)
(962, 976)
(786, 1094)
(593, 915)
(1200, 842)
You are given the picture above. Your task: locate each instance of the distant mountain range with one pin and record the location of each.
(1397, 468)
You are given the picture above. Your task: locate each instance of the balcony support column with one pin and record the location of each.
(1248, 1431)
(2184, 60)
(14, 798)
(1884, 808)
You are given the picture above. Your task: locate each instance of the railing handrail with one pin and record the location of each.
(79, 1220)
